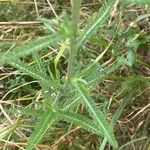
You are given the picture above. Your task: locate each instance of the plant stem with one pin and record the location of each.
(73, 48)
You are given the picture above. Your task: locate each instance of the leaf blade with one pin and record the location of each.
(80, 120)
(40, 129)
(93, 25)
(98, 115)
(27, 48)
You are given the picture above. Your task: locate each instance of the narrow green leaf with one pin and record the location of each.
(47, 84)
(93, 25)
(60, 53)
(41, 127)
(109, 70)
(104, 126)
(48, 23)
(25, 68)
(26, 111)
(80, 120)
(28, 48)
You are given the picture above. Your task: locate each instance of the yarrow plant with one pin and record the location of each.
(63, 93)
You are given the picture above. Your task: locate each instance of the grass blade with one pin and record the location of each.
(5, 132)
(133, 141)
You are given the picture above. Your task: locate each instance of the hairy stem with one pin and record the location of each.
(76, 4)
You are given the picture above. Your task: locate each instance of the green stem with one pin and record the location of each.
(73, 48)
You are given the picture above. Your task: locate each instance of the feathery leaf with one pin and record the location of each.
(45, 122)
(28, 48)
(27, 111)
(25, 68)
(97, 115)
(80, 120)
(93, 25)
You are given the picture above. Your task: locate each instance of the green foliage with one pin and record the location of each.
(94, 25)
(41, 127)
(97, 115)
(27, 111)
(80, 120)
(28, 48)
(62, 92)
